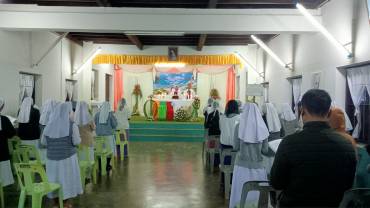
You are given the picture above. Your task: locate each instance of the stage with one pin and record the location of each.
(165, 131)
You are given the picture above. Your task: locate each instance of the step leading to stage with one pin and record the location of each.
(166, 132)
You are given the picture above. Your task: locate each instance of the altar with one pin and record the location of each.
(170, 109)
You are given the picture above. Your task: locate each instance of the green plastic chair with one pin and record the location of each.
(13, 145)
(227, 170)
(36, 190)
(2, 200)
(103, 151)
(122, 144)
(28, 154)
(87, 167)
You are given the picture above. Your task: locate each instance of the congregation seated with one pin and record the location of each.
(106, 124)
(7, 131)
(272, 121)
(28, 119)
(86, 127)
(228, 122)
(61, 136)
(288, 120)
(251, 142)
(314, 167)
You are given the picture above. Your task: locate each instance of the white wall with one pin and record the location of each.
(313, 53)
(19, 50)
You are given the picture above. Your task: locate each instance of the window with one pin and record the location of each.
(296, 93)
(94, 85)
(71, 91)
(364, 118)
(27, 86)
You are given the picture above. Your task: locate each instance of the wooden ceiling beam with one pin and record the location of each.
(136, 41)
(212, 4)
(103, 3)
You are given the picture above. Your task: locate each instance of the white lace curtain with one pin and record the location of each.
(69, 89)
(358, 82)
(296, 87)
(26, 85)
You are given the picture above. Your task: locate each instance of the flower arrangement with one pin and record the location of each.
(138, 94)
(182, 114)
(214, 94)
(196, 106)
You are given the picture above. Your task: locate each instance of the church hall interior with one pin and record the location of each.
(184, 103)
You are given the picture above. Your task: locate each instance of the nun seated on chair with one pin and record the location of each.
(272, 120)
(288, 120)
(61, 136)
(251, 142)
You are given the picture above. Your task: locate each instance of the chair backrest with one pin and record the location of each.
(227, 153)
(83, 153)
(26, 153)
(13, 144)
(356, 198)
(26, 172)
(101, 144)
(261, 186)
(118, 137)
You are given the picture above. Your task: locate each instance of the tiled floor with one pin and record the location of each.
(156, 175)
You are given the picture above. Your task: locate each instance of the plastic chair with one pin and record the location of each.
(103, 151)
(13, 145)
(356, 198)
(122, 144)
(87, 166)
(28, 154)
(263, 187)
(212, 149)
(2, 199)
(29, 187)
(227, 170)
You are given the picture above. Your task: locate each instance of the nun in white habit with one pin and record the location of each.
(106, 124)
(7, 131)
(251, 143)
(61, 136)
(86, 127)
(46, 111)
(273, 121)
(288, 120)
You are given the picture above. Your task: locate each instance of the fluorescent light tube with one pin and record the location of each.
(269, 51)
(323, 30)
(169, 65)
(89, 59)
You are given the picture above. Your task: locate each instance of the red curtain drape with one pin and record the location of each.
(230, 89)
(118, 85)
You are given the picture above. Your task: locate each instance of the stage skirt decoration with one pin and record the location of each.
(169, 110)
(162, 111)
(170, 113)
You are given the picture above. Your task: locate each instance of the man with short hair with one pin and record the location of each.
(314, 167)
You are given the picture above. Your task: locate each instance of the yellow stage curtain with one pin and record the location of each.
(229, 59)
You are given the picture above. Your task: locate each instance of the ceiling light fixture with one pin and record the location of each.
(245, 60)
(88, 60)
(323, 30)
(270, 52)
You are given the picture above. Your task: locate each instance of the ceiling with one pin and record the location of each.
(196, 40)
(203, 4)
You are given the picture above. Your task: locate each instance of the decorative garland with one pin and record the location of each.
(138, 94)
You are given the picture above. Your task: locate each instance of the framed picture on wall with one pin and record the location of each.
(315, 80)
(173, 53)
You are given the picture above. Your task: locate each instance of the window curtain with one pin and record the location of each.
(118, 85)
(358, 81)
(69, 90)
(296, 87)
(230, 88)
(26, 85)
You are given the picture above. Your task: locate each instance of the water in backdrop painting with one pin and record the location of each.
(165, 81)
